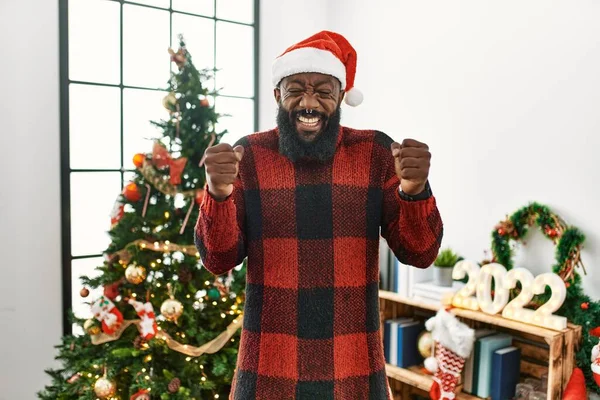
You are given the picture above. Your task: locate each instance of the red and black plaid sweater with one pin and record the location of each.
(310, 230)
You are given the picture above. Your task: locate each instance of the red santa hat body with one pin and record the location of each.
(326, 53)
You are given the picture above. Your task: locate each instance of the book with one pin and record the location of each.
(506, 367)
(408, 353)
(488, 345)
(469, 368)
(390, 339)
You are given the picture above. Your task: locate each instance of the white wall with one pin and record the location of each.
(507, 95)
(30, 287)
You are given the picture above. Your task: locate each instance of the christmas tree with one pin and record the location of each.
(165, 327)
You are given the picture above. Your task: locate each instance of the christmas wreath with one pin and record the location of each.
(578, 308)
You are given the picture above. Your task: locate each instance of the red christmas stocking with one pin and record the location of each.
(453, 344)
(450, 366)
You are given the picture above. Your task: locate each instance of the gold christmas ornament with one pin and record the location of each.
(135, 274)
(425, 344)
(104, 388)
(91, 327)
(170, 101)
(171, 309)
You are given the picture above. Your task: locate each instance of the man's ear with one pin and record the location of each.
(277, 94)
(342, 94)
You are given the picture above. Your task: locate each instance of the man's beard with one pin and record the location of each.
(322, 148)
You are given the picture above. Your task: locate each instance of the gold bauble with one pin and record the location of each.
(135, 274)
(171, 309)
(104, 388)
(91, 327)
(425, 343)
(169, 101)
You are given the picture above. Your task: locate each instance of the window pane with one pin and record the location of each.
(145, 43)
(95, 126)
(94, 41)
(93, 195)
(236, 10)
(202, 7)
(139, 108)
(84, 267)
(199, 36)
(241, 121)
(156, 3)
(235, 59)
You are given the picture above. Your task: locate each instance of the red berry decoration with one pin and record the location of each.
(132, 192)
(204, 102)
(501, 231)
(585, 306)
(138, 160)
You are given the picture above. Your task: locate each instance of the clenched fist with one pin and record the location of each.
(412, 160)
(222, 167)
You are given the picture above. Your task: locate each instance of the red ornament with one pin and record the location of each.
(85, 292)
(199, 196)
(595, 332)
(585, 306)
(141, 394)
(138, 160)
(204, 102)
(112, 290)
(501, 231)
(132, 192)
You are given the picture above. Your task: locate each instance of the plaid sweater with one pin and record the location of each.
(311, 230)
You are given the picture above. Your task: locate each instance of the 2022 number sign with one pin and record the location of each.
(477, 293)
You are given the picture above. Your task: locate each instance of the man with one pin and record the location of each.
(305, 202)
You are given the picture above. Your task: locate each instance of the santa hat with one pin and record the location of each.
(326, 53)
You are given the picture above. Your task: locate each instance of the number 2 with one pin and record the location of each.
(464, 297)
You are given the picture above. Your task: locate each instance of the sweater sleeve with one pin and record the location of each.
(219, 233)
(412, 229)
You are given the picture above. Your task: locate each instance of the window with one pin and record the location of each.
(114, 72)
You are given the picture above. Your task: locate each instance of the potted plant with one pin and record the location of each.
(442, 267)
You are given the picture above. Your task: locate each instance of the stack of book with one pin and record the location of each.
(493, 369)
(400, 338)
(428, 292)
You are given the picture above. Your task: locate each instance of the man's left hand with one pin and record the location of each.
(412, 160)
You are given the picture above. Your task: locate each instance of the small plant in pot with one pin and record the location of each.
(442, 267)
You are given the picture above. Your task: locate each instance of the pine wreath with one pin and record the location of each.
(578, 308)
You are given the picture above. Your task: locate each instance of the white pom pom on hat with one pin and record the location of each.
(325, 52)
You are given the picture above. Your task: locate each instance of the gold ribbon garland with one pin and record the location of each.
(163, 247)
(207, 348)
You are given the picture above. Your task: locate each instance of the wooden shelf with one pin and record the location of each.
(545, 351)
(413, 377)
(495, 320)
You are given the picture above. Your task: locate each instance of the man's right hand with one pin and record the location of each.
(222, 167)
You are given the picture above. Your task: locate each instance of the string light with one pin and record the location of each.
(223, 315)
(167, 214)
(143, 245)
(183, 335)
(203, 379)
(188, 359)
(214, 303)
(223, 299)
(157, 284)
(207, 283)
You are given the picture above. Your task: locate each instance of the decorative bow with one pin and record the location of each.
(161, 159)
